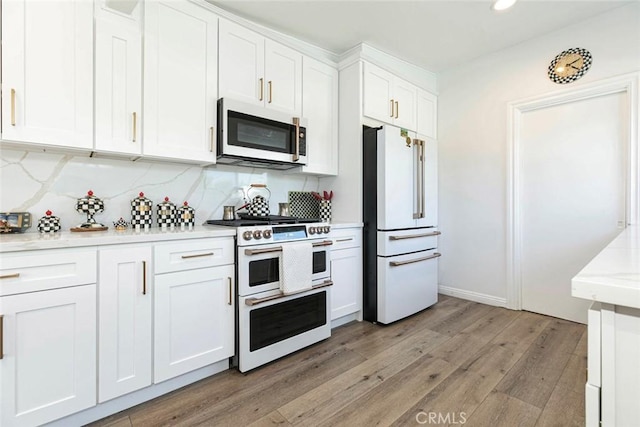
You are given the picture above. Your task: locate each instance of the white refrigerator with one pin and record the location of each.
(400, 211)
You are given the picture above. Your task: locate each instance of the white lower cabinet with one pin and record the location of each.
(48, 360)
(346, 272)
(125, 329)
(194, 320)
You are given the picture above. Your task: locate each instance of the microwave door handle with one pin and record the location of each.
(296, 123)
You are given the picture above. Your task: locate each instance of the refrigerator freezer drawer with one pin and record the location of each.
(404, 241)
(406, 284)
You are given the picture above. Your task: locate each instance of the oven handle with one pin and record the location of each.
(411, 261)
(255, 301)
(279, 248)
(413, 236)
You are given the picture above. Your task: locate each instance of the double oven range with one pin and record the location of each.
(270, 324)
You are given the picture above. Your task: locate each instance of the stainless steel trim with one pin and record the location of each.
(279, 248)
(255, 301)
(414, 236)
(10, 276)
(296, 155)
(411, 261)
(197, 256)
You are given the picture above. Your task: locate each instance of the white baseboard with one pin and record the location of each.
(346, 319)
(472, 296)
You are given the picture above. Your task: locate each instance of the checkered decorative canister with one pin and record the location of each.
(259, 206)
(90, 205)
(186, 215)
(166, 213)
(49, 223)
(141, 211)
(324, 209)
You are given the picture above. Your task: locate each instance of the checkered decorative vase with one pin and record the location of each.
(90, 205)
(141, 211)
(167, 213)
(186, 215)
(49, 223)
(324, 209)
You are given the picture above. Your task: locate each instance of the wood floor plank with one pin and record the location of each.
(460, 319)
(116, 420)
(327, 399)
(274, 418)
(535, 375)
(498, 409)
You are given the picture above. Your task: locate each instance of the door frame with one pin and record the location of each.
(627, 84)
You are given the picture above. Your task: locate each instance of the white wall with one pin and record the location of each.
(36, 181)
(472, 135)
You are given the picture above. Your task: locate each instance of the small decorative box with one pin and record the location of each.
(141, 211)
(120, 224)
(166, 213)
(49, 223)
(186, 215)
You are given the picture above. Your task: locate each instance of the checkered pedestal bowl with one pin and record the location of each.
(90, 205)
(141, 212)
(49, 223)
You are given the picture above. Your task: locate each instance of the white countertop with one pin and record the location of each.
(68, 239)
(613, 276)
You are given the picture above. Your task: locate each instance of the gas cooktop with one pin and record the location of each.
(248, 220)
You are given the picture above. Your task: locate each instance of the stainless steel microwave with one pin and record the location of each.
(250, 135)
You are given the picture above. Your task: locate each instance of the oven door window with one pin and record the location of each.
(264, 271)
(256, 132)
(277, 322)
(320, 261)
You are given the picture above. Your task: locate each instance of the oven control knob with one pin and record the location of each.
(257, 234)
(312, 230)
(247, 235)
(266, 234)
(301, 134)
(327, 229)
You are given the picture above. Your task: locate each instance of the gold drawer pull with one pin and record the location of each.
(1, 337)
(13, 107)
(197, 256)
(344, 240)
(230, 291)
(10, 276)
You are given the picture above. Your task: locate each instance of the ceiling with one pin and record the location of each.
(433, 34)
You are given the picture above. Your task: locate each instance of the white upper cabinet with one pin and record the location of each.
(427, 116)
(320, 109)
(259, 71)
(388, 98)
(180, 81)
(47, 72)
(118, 77)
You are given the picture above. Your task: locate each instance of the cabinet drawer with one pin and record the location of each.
(197, 253)
(346, 238)
(39, 270)
(405, 241)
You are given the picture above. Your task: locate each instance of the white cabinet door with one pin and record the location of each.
(378, 93)
(283, 76)
(180, 81)
(118, 78)
(47, 72)
(404, 98)
(49, 366)
(124, 305)
(346, 274)
(430, 189)
(241, 66)
(320, 108)
(427, 114)
(194, 320)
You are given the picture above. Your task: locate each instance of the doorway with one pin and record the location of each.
(571, 181)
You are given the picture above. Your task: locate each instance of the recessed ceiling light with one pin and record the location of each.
(502, 4)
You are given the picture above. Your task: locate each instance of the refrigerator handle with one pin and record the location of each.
(416, 177)
(419, 185)
(422, 178)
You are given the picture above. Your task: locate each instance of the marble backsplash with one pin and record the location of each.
(38, 181)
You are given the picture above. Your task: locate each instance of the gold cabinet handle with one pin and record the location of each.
(1, 336)
(144, 277)
(10, 276)
(270, 91)
(345, 240)
(230, 291)
(135, 126)
(197, 255)
(396, 109)
(391, 109)
(261, 89)
(13, 107)
(211, 139)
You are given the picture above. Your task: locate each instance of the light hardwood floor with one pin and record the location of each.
(457, 363)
